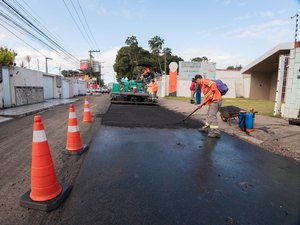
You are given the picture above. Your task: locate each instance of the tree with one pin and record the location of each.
(28, 59)
(126, 67)
(7, 57)
(200, 59)
(132, 41)
(155, 45)
(236, 67)
(129, 57)
(69, 73)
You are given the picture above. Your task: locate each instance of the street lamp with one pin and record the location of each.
(47, 63)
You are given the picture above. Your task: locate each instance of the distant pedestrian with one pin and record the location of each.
(213, 98)
(193, 89)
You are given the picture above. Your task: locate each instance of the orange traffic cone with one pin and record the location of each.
(74, 145)
(87, 112)
(46, 193)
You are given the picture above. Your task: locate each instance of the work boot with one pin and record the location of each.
(204, 129)
(214, 134)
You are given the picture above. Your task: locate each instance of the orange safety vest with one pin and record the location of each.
(209, 89)
(152, 87)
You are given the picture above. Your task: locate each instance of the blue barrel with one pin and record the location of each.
(249, 122)
(242, 120)
(198, 97)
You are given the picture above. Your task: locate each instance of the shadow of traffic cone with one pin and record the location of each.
(74, 145)
(87, 112)
(46, 193)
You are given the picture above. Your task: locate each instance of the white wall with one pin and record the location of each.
(235, 80)
(79, 87)
(183, 88)
(231, 84)
(246, 85)
(27, 84)
(292, 98)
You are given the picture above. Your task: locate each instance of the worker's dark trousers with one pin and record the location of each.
(212, 119)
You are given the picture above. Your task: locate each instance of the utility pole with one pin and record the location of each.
(91, 56)
(296, 27)
(47, 63)
(38, 64)
(165, 62)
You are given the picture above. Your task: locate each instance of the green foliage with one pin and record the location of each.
(236, 67)
(6, 56)
(129, 57)
(69, 73)
(156, 44)
(200, 59)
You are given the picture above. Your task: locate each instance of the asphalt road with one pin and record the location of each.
(15, 156)
(147, 167)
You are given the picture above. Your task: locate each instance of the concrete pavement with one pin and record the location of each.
(33, 108)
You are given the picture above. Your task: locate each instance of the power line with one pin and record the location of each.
(88, 26)
(27, 43)
(78, 27)
(29, 23)
(21, 17)
(80, 20)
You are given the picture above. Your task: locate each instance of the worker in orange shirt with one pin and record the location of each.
(213, 98)
(152, 88)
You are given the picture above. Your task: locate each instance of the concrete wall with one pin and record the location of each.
(27, 86)
(79, 87)
(273, 85)
(183, 88)
(246, 85)
(260, 86)
(292, 99)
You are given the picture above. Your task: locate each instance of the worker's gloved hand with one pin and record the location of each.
(200, 106)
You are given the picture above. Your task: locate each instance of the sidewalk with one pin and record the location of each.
(272, 134)
(20, 111)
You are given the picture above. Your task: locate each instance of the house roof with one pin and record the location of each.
(268, 62)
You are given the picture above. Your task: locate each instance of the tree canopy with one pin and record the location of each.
(129, 57)
(200, 59)
(6, 56)
(236, 67)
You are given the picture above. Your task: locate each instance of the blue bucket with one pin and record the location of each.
(249, 122)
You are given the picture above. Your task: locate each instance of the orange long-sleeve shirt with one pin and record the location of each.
(209, 89)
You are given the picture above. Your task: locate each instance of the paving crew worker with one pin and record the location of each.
(192, 89)
(148, 75)
(152, 88)
(213, 98)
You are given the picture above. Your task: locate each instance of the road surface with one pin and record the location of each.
(146, 167)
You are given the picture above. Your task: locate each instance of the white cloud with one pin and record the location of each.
(271, 30)
(268, 14)
(264, 14)
(130, 14)
(108, 57)
(2, 36)
(96, 6)
(222, 58)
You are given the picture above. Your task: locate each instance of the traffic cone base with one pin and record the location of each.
(46, 205)
(76, 152)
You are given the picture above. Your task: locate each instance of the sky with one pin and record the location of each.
(228, 32)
